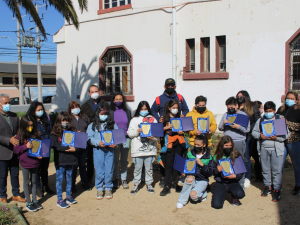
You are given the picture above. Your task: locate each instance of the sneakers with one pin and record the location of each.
(162, 182)
(108, 194)
(247, 183)
(134, 190)
(71, 200)
(116, 184)
(276, 196)
(180, 181)
(165, 191)
(38, 205)
(266, 191)
(204, 199)
(31, 207)
(174, 185)
(62, 204)
(235, 202)
(296, 190)
(179, 205)
(150, 189)
(100, 195)
(125, 184)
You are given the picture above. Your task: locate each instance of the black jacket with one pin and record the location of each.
(220, 179)
(80, 124)
(62, 158)
(87, 108)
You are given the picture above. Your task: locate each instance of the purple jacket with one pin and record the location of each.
(25, 161)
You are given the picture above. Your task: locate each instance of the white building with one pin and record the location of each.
(222, 47)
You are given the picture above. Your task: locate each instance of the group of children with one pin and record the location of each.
(144, 152)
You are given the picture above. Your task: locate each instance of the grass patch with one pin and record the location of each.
(6, 217)
(20, 114)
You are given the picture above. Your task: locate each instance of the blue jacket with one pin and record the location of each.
(184, 109)
(45, 133)
(94, 137)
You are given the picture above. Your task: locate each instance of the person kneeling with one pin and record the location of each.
(195, 186)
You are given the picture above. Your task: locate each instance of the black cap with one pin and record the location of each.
(170, 81)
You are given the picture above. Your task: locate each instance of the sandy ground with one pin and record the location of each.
(145, 208)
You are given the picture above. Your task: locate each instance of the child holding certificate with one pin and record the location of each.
(195, 185)
(230, 183)
(271, 151)
(28, 164)
(65, 158)
(143, 149)
(103, 154)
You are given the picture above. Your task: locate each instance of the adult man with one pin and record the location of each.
(9, 123)
(158, 108)
(89, 108)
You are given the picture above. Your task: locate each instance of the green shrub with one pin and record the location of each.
(20, 114)
(6, 217)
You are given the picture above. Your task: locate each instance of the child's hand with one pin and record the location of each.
(210, 131)
(183, 174)
(29, 144)
(102, 145)
(180, 132)
(235, 126)
(112, 146)
(40, 157)
(262, 136)
(140, 130)
(273, 138)
(168, 127)
(151, 138)
(161, 119)
(199, 162)
(225, 121)
(219, 168)
(181, 115)
(198, 132)
(71, 149)
(232, 176)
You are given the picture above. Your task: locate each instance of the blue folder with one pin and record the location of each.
(181, 165)
(268, 123)
(103, 139)
(44, 148)
(156, 130)
(119, 136)
(224, 173)
(239, 166)
(179, 127)
(67, 143)
(187, 123)
(207, 125)
(79, 139)
(241, 119)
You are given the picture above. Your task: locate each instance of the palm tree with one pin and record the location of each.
(65, 7)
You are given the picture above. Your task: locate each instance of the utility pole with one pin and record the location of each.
(38, 48)
(21, 102)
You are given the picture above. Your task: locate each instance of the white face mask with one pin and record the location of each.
(174, 111)
(95, 96)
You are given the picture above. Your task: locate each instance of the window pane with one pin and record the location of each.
(191, 44)
(122, 2)
(114, 3)
(206, 54)
(222, 52)
(106, 4)
(109, 80)
(7, 80)
(49, 81)
(31, 80)
(117, 79)
(125, 80)
(129, 1)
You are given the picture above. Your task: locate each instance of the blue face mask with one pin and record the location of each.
(6, 108)
(144, 113)
(76, 111)
(103, 117)
(269, 115)
(40, 113)
(289, 102)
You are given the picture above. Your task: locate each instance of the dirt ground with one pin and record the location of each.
(145, 208)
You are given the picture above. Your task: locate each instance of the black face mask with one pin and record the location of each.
(198, 149)
(231, 111)
(170, 90)
(227, 151)
(240, 100)
(200, 109)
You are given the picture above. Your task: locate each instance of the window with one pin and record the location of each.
(295, 64)
(116, 75)
(221, 53)
(31, 80)
(51, 81)
(113, 5)
(190, 55)
(9, 80)
(205, 55)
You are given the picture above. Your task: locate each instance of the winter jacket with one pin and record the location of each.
(87, 108)
(45, 133)
(212, 124)
(205, 171)
(141, 146)
(80, 124)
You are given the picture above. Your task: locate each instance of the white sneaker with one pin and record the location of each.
(179, 205)
(247, 183)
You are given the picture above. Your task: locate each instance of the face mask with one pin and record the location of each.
(76, 111)
(231, 111)
(269, 115)
(64, 125)
(240, 100)
(289, 102)
(144, 113)
(170, 90)
(119, 104)
(103, 117)
(6, 108)
(40, 113)
(29, 129)
(174, 111)
(95, 96)
(198, 149)
(227, 151)
(261, 111)
(200, 109)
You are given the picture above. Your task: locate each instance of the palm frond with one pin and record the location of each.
(83, 5)
(13, 5)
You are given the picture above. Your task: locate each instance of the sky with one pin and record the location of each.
(52, 21)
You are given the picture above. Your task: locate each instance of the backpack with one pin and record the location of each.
(178, 95)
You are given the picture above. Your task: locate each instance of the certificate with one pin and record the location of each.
(203, 125)
(268, 128)
(107, 137)
(227, 167)
(177, 125)
(146, 130)
(68, 138)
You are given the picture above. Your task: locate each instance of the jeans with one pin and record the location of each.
(220, 191)
(82, 154)
(293, 149)
(104, 168)
(138, 166)
(90, 162)
(198, 186)
(43, 173)
(27, 173)
(60, 172)
(248, 152)
(123, 149)
(13, 166)
(271, 168)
